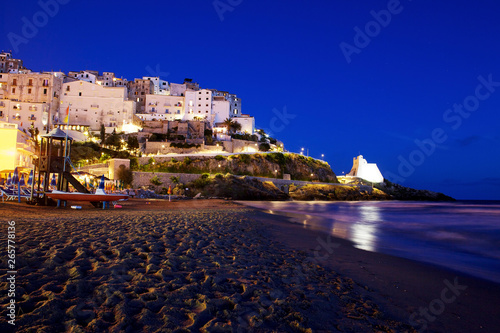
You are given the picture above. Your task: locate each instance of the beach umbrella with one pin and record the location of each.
(101, 184)
(9, 180)
(21, 181)
(15, 177)
(30, 178)
(53, 181)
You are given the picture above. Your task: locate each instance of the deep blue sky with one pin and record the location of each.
(286, 54)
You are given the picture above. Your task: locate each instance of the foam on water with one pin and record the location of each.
(464, 236)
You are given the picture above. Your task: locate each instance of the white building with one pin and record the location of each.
(364, 170)
(93, 105)
(161, 87)
(163, 107)
(30, 99)
(10, 65)
(220, 109)
(203, 103)
(234, 102)
(177, 89)
(86, 76)
(26, 114)
(247, 123)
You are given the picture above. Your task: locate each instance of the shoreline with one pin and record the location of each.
(400, 286)
(254, 270)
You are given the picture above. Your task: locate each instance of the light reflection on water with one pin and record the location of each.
(461, 236)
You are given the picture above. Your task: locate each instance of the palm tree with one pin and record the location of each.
(227, 123)
(232, 126)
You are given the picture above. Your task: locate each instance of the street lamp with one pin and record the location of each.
(323, 157)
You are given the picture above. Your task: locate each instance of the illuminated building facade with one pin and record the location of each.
(16, 147)
(364, 170)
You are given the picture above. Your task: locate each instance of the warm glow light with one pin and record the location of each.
(130, 128)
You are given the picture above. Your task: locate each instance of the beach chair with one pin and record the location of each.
(8, 194)
(26, 191)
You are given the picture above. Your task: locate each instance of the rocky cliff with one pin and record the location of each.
(272, 165)
(399, 192)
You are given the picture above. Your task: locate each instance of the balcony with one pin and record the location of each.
(33, 108)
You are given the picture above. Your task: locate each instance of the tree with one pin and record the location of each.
(103, 133)
(132, 142)
(227, 123)
(114, 140)
(125, 174)
(235, 127)
(231, 125)
(264, 147)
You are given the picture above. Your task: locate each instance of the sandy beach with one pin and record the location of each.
(217, 266)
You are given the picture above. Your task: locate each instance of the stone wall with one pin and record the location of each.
(164, 148)
(143, 178)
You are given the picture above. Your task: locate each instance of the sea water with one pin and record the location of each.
(462, 235)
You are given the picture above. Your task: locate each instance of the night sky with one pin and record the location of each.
(322, 75)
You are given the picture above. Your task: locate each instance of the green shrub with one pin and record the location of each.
(174, 179)
(187, 160)
(134, 163)
(264, 147)
(219, 158)
(245, 158)
(278, 158)
(155, 181)
(205, 175)
(200, 182)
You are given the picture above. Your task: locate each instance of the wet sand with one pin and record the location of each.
(215, 266)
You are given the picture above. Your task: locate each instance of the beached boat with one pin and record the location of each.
(78, 196)
(98, 196)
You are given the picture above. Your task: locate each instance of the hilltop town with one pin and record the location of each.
(165, 117)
